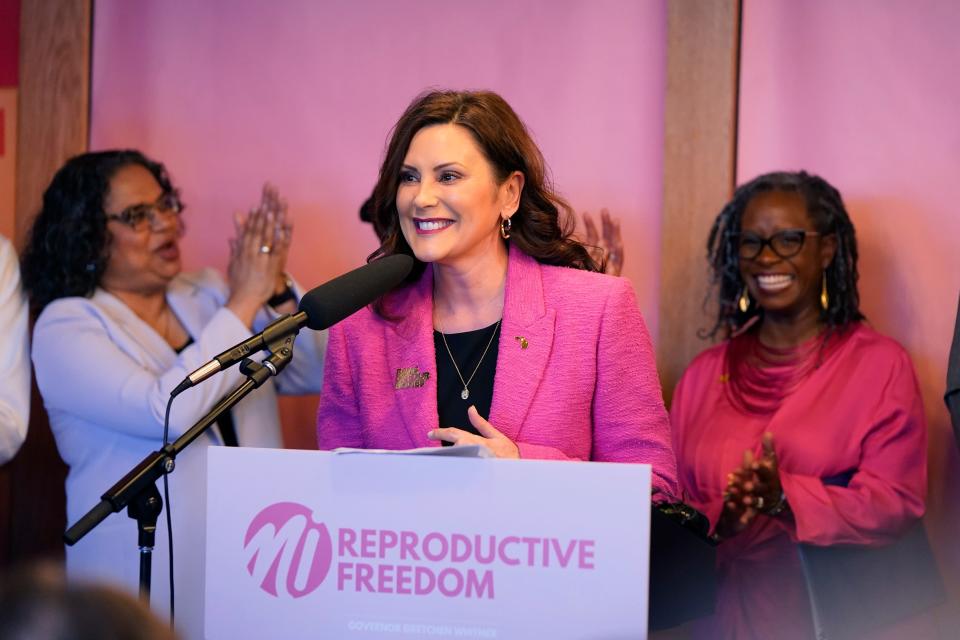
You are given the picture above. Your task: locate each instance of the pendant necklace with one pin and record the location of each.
(465, 394)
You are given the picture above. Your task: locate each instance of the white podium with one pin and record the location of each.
(306, 544)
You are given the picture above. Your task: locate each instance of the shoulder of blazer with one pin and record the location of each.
(586, 288)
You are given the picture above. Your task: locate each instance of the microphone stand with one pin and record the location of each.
(137, 490)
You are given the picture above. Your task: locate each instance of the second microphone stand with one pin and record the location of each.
(137, 490)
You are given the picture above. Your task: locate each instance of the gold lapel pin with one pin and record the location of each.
(410, 378)
(523, 342)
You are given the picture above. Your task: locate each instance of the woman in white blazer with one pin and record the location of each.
(120, 326)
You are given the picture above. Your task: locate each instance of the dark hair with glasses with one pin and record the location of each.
(68, 245)
(727, 245)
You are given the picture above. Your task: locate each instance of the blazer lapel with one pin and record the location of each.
(182, 298)
(413, 362)
(526, 340)
(150, 344)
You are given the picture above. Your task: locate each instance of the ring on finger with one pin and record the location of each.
(265, 248)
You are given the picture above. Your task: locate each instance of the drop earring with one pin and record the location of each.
(824, 296)
(744, 301)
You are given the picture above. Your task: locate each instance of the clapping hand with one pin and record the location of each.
(765, 487)
(609, 244)
(258, 255)
(737, 512)
(751, 489)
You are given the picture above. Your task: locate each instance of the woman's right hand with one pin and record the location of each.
(738, 508)
(257, 255)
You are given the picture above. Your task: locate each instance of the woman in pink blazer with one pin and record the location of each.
(505, 334)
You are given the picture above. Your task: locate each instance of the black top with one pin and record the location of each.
(225, 420)
(467, 348)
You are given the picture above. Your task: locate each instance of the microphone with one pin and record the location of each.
(320, 308)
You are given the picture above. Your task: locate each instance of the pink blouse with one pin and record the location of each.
(851, 443)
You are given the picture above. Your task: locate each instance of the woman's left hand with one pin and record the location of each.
(499, 445)
(279, 232)
(272, 236)
(764, 490)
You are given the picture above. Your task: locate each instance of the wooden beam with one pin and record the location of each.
(703, 39)
(54, 108)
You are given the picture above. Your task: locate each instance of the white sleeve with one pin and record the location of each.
(82, 371)
(14, 356)
(304, 374)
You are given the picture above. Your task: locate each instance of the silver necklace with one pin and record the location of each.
(465, 394)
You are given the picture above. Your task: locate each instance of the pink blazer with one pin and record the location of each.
(584, 387)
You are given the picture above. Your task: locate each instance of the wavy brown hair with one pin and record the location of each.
(538, 228)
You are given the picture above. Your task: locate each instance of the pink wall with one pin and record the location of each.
(867, 94)
(304, 93)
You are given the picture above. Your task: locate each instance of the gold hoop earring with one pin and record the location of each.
(744, 302)
(505, 226)
(824, 296)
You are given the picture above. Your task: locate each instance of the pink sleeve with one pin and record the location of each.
(886, 491)
(338, 418)
(678, 420)
(630, 423)
(690, 388)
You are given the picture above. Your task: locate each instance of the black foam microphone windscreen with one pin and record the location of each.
(343, 296)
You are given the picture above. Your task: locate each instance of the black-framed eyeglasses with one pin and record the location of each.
(786, 243)
(140, 217)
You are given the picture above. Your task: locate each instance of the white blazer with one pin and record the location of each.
(14, 356)
(105, 377)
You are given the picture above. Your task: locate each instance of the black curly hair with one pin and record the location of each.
(68, 245)
(829, 216)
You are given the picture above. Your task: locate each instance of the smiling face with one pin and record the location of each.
(141, 261)
(784, 286)
(449, 201)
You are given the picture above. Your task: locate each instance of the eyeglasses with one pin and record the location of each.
(141, 217)
(785, 244)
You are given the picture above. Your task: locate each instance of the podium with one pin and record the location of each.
(307, 544)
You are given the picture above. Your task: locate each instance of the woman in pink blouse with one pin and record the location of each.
(805, 425)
